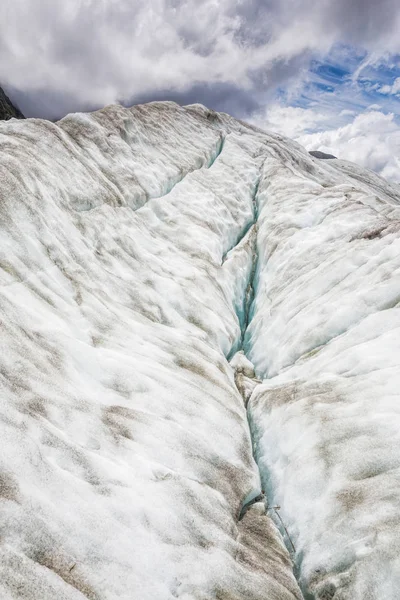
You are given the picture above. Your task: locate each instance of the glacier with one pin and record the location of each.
(199, 363)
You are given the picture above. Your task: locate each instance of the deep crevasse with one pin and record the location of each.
(129, 239)
(325, 312)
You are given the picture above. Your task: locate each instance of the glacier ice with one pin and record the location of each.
(162, 269)
(126, 456)
(324, 337)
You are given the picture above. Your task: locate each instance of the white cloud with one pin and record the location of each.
(289, 120)
(391, 89)
(347, 112)
(371, 139)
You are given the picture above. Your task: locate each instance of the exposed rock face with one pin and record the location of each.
(7, 109)
(321, 155)
(169, 276)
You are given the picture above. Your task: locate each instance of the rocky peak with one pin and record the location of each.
(7, 109)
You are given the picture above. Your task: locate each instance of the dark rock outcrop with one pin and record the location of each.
(7, 109)
(321, 155)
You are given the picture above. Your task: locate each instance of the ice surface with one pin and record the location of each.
(325, 337)
(162, 268)
(126, 251)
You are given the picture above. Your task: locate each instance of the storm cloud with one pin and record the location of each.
(58, 57)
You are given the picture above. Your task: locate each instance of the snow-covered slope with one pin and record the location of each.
(162, 268)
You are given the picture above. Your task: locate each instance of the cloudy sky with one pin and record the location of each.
(325, 72)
